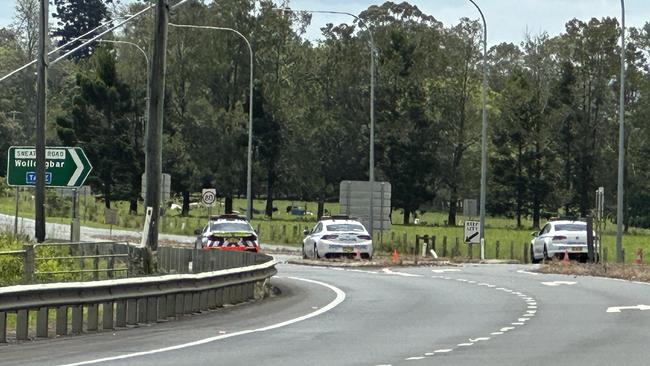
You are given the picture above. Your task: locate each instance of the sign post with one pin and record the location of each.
(64, 166)
(209, 196)
(472, 232)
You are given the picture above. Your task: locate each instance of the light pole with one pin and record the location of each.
(371, 168)
(621, 145)
(483, 132)
(249, 168)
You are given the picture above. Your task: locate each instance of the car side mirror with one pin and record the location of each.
(198, 231)
(534, 234)
(306, 232)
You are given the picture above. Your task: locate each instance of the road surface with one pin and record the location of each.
(471, 315)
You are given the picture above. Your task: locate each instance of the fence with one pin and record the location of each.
(117, 303)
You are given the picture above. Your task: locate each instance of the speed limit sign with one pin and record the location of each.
(208, 196)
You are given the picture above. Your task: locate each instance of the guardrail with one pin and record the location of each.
(118, 303)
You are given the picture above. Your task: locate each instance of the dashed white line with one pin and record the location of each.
(414, 358)
(479, 339)
(496, 333)
(464, 344)
(446, 350)
(529, 273)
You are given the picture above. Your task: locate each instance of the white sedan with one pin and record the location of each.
(337, 237)
(559, 237)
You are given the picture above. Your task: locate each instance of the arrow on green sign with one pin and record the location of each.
(64, 166)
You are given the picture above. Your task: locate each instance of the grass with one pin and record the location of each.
(287, 229)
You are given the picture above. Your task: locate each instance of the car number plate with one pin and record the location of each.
(348, 249)
(577, 249)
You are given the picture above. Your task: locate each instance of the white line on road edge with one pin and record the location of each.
(340, 297)
(388, 271)
(445, 270)
(526, 272)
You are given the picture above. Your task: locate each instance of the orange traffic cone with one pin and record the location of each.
(565, 260)
(395, 256)
(637, 260)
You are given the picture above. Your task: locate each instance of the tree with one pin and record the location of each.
(77, 17)
(99, 123)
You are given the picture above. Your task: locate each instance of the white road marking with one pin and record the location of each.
(531, 311)
(558, 283)
(388, 271)
(340, 297)
(529, 273)
(522, 319)
(472, 282)
(517, 323)
(505, 329)
(446, 350)
(479, 339)
(532, 306)
(414, 358)
(429, 354)
(617, 309)
(445, 270)
(464, 344)
(528, 315)
(496, 333)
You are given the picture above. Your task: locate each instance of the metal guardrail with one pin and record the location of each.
(110, 304)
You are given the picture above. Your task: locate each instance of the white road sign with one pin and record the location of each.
(472, 232)
(209, 196)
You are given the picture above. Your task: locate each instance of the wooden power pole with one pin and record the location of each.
(153, 142)
(41, 113)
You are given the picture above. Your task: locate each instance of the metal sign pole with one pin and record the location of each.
(16, 217)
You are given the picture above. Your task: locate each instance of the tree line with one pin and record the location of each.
(552, 107)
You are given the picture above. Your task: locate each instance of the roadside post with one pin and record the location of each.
(16, 217)
(472, 234)
(600, 207)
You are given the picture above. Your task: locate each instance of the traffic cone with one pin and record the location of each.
(395, 256)
(565, 260)
(637, 260)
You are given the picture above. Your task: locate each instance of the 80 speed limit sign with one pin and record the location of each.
(208, 196)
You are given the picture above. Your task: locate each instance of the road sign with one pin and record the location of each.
(64, 166)
(209, 196)
(165, 192)
(470, 207)
(472, 232)
(354, 201)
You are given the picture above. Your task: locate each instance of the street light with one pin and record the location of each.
(249, 172)
(483, 134)
(621, 145)
(371, 169)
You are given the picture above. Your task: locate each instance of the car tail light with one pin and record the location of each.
(364, 237)
(329, 237)
(559, 237)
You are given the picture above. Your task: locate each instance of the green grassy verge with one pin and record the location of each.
(287, 229)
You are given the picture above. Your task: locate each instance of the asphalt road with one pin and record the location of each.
(473, 315)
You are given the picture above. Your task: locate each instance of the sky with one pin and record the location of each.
(507, 20)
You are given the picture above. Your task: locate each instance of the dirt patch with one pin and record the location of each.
(612, 270)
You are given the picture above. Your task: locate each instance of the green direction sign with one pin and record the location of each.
(64, 166)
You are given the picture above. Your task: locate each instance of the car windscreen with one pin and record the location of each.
(571, 227)
(230, 226)
(345, 227)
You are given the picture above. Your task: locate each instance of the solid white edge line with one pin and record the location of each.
(340, 297)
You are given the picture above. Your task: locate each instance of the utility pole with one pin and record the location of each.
(620, 188)
(153, 143)
(41, 113)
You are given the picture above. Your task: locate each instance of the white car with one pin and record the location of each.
(558, 237)
(337, 236)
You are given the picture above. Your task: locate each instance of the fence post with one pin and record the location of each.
(512, 250)
(525, 254)
(96, 262)
(604, 255)
(433, 242)
(28, 268)
(470, 253)
(497, 249)
(456, 250)
(444, 246)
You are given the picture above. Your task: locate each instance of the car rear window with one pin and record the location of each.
(571, 227)
(230, 226)
(345, 227)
